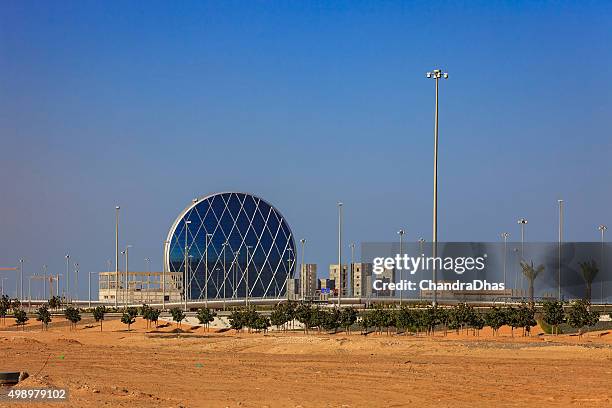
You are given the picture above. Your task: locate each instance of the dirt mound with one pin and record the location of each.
(68, 341)
(24, 340)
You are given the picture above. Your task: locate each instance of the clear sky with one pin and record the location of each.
(150, 104)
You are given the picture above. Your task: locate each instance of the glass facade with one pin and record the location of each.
(231, 243)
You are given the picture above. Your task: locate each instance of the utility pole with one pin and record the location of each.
(339, 253)
(436, 74)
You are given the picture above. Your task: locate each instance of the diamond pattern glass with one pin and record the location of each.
(235, 242)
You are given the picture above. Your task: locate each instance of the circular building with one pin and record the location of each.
(231, 243)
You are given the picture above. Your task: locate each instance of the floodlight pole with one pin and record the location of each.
(505, 236)
(166, 259)
(67, 284)
(401, 254)
(602, 228)
(45, 280)
(206, 269)
(302, 270)
(340, 204)
(117, 208)
(522, 222)
(187, 222)
(560, 242)
(21, 261)
(247, 274)
(435, 74)
(352, 270)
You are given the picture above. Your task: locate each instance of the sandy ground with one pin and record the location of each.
(155, 367)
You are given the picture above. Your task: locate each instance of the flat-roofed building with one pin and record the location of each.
(308, 281)
(360, 282)
(334, 274)
(141, 287)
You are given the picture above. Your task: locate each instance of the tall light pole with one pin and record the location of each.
(21, 261)
(602, 228)
(185, 283)
(224, 272)
(166, 260)
(148, 263)
(117, 208)
(436, 74)
(505, 236)
(401, 254)
(89, 288)
(289, 271)
(302, 270)
(422, 252)
(76, 281)
(522, 222)
(44, 267)
(248, 248)
(126, 252)
(339, 253)
(351, 285)
(67, 277)
(207, 275)
(560, 242)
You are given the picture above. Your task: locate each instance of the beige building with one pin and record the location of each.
(361, 279)
(142, 287)
(293, 289)
(308, 281)
(334, 274)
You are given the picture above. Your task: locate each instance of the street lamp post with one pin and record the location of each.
(127, 273)
(422, 252)
(206, 277)
(302, 271)
(45, 280)
(225, 244)
(166, 261)
(340, 204)
(436, 74)
(522, 222)
(602, 228)
(505, 236)
(89, 288)
(248, 248)
(401, 254)
(76, 281)
(351, 284)
(21, 261)
(117, 208)
(560, 243)
(289, 272)
(186, 276)
(67, 278)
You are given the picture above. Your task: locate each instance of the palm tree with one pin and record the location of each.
(588, 270)
(531, 273)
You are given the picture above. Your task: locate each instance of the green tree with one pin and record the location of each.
(579, 315)
(261, 323)
(404, 319)
(588, 270)
(177, 315)
(279, 316)
(154, 315)
(73, 315)
(331, 320)
(531, 272)
(145, 312)
(206, 316)
(44, 316)
(526, 317)
(303, 314)
(5, 305)
(15, 304)
(553, 314)
(20, 318)
(128, 318)
(98, 314)
(236, 320)
(495, 318)
(55, 302)
(365, 322)
(348, 317)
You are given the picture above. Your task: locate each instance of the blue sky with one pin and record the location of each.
(149, 104)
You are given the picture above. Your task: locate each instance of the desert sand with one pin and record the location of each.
(149, 367)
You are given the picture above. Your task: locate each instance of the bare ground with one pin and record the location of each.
(155, 367)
